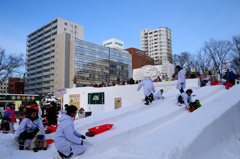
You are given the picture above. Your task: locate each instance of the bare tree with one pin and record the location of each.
(217, 50)
(235, 61)
(184, 60)
(9, 65)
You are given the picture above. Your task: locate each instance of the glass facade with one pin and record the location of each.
(96, 64)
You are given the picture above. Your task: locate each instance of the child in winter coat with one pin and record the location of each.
(5, 121)
(181, 84)
(194, 105)
(39, 142)
(158, 95)
(52, 114)
(10, 109)
(148, 89)
(67, 140)
(185, 98)
(28, 127)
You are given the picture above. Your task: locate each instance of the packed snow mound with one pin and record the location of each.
(161, 130)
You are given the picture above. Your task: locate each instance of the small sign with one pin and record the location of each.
(68, 36)
(118, 103)
(62, 91)
(96, 98)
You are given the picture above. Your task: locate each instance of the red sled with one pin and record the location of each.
(49, 141)
(191, 110)
(215, 83)
(99, 129)
(53, 128)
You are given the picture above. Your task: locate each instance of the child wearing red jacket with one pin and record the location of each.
(10, 109)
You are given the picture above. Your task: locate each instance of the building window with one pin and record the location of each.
(71, 26)
(65, 23)
(65, 29)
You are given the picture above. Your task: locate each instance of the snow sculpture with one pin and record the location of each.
(48, 99)
(147, 71)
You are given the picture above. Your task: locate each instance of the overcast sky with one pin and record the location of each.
(191, 21)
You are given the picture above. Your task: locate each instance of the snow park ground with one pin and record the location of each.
(161, 130)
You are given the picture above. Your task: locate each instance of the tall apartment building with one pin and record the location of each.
(40, 54)
(157, 44)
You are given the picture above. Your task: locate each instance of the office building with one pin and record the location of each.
(114, 43)
(157, 44)
(139, 58)
(40, 61)
(88, 63)
(15, 86)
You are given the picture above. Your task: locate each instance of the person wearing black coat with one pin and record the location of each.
(131, 81)
(52, 114)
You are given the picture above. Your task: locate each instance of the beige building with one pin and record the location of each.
(157, 44)
(4, 88)
(42, 57)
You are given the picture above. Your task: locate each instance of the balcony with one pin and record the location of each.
(54, 30)
(45, 40)
(53, 36)
(45, 73)
(31, 87)
(52, 84)
(49, 33)
(52, 65)
(38, 86)
(47, 28)
(52, 60)
(46, 56)
(45, 85)
(39, 33)
(55, 24)
(38, 64)
(52, 48)
(46, 61)
(39, 75)
(46, 67)
(47, 50)
(52, 77)
(52, 90)
(31, 82)
(45, 91)
(40, 48)
(52, 71)
(31, 66)
(40, 43)
(40, 53)
(46, 45)
(31, 92)
(39, 69)
(39, 80)
(52, 54)
(45, 79)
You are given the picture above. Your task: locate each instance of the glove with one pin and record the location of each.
(181, 83)
(83, 137)
(35, 149)
(162, 97)
(44, 148)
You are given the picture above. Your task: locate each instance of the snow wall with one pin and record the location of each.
(128, 93)
(217, 121)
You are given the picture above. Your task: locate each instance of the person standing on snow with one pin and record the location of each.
(158, 95)
(148, 89)
(10, 109)
(67, 140)
(181, 84)
(185, 98)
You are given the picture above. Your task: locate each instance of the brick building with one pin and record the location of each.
(15, 86)
(139, 58)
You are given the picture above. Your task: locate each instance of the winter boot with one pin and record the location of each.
(147, 100)
(64, 156)
(21, 144)
(150, 97)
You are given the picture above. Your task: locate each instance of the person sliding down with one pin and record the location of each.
(181, 83)
(185, 98)
(194, 105)
(158, 95)
(67, 140)
(148, 89)
(29, 127)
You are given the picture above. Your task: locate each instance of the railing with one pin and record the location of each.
(46, 67)
(46, 61)
(45, 85)
(45, 79)
(45, 73)
(45, 90)
(46, 56)
(46, 50)
(39, 80)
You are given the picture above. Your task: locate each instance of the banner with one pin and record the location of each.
(19, 97)
(74, 99)
(96, 98)
(118, 103)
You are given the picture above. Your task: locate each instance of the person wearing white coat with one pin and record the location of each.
(29, 127)
(185, 98)
(67, 140)
(181, 83)
(148, 89)
(158, 95)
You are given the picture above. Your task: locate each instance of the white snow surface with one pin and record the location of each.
(161, 130)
